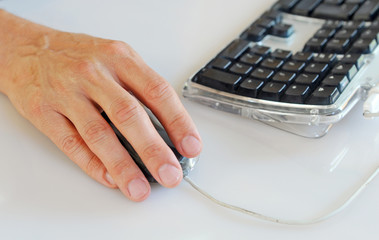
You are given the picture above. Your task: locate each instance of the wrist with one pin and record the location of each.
(19, 38)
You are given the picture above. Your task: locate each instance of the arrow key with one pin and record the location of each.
(339, 81)
(349, 70)
(324, 96)
(296, 94)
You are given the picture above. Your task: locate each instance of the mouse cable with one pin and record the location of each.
(370, 110)
(263, 217)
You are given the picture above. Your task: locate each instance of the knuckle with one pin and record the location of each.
(120, 167)
(117, 48)
(93, 165)
(95, 132)
(152, 151)
(158, 90)
(85, 67)
(125, 112)
(70, 144)
(35, 108)
(179, 121)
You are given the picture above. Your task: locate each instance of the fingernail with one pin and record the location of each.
(109, 179)
(191, 145)
(169, 175)
(138, 188)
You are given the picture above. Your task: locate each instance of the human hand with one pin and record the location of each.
(62, 81)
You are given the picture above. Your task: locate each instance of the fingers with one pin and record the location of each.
(95, 148)
(133, 122)
(64, 135)
(160, 97)
(76, 76)
(103, 142)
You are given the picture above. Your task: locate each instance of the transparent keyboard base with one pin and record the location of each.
(304, 119)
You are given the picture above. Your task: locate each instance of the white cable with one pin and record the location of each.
(338, 209)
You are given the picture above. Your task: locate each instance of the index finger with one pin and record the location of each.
(158, 95)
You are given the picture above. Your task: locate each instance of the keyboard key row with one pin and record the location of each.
(338, 37)
(270, 23)
(366, 10)
(279, 75)
(325, 94)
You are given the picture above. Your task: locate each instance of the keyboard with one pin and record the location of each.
(301, 66)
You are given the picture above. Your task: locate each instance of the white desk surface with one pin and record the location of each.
(43, 195)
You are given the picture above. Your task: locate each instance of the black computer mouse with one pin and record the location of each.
(187, 164)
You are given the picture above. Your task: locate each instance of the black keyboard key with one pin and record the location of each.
(374, 25)
(346, 34)
(265, 22)
(302, 56)
(241, 68)
(274, 15)
(296, 94)
(251, 59)
(328, 58)
(281, 54)
(282, 30)
(255, 33)
(367, 11)
(335, 2)
(293, 66)
(354, 25)
(339, 81)
(262, 74)
(272, 63)
(325, 33)
(339, 12)
(220, 63)
(370, 34)
(317, 68)
(250, 87)
(337, 45)
(284, 77)
(351, 58)
(354, 1)
(310, 80)
(315, 45)
(324, 96)
(286, 5)
(305, 7)
(218, 79)
(260, 50)
(364, 46)
(273, 91)
(235, 49)
(349, 70)
(333, 24)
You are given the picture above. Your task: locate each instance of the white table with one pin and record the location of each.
(43, 195)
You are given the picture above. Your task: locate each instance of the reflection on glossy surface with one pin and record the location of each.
(316, 219)
(283, 175)
(337, 160)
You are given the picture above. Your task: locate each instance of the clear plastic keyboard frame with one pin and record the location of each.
(301, 119)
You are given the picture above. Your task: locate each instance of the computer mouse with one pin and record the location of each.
(187, 164)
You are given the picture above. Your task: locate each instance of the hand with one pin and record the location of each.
(62, 81)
